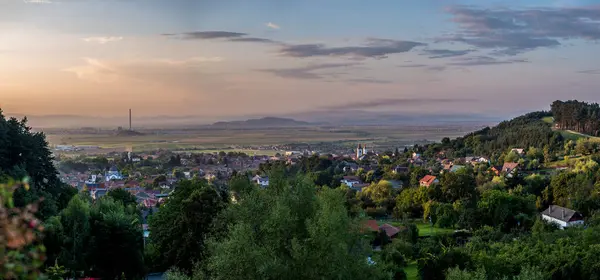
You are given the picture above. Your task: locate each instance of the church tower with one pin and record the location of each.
(364, 151)
(359, 151)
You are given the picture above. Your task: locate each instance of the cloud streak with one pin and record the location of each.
(514, 31)
(484, 60)
(368, 81)
(273, 25)
(397, 102)
(102, 40)
(590, 72)
(308, 72)
(373, 48)
(219, 35)
(442, 53)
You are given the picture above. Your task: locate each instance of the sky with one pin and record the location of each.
(272, 57)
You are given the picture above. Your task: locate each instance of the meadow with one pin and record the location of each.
(241, 139)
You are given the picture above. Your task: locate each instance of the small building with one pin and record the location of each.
(261, 181)
(390, 231)
(359, 187)
(562, 216)
(428, 180)
(98, 193)
(400, 170)
(351, 180)
(510, 168)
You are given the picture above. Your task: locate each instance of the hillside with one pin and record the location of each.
(567, 134)
(261, 123)
(529, 130)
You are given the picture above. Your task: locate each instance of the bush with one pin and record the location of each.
(21, 246)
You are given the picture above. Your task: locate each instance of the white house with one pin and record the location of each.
(261, 181)
(562, 216)
(350, 181)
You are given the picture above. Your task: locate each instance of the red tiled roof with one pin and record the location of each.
(428, 179)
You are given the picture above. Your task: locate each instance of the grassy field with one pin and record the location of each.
(246, 151)
(211, 139)
(425, 229)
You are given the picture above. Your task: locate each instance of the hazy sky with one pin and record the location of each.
(232, 57)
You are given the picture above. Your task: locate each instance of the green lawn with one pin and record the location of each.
(549, 120)
(412, 271)
(425, 229)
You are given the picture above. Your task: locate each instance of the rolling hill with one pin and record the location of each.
(261, 123)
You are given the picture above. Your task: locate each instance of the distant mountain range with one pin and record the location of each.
(261, 123)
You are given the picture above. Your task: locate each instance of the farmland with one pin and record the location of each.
(242, 139)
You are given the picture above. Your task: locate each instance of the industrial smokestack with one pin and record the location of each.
(129, 119)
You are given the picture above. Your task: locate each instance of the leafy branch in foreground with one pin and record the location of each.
(21, 248)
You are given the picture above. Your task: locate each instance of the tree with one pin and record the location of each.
(75, 220)
(379, 192)
(512, 156)
(505, 210)
(286, 232)
(179, 229)
(123, 196)
(458, 185)
(116, 241)
(25, 153)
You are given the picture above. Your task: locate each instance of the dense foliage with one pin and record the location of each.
(524, 131)
(25, 153)
(578, 116)
(180, 227)
(21, 251)
(103, 239)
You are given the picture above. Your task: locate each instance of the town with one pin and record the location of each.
(300, 140)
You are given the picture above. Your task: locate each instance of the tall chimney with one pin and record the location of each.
(129, 119)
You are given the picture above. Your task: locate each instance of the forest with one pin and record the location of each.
(525, 131)
(577, 116)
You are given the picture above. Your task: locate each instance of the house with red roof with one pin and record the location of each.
(428, 180)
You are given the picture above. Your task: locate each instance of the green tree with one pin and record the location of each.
(123, 196)
(179, 229)
(116, 241)
(288, 232)
(25, 153)
(75, 220)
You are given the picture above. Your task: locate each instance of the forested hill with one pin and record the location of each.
(522, 132)
(577, 116)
